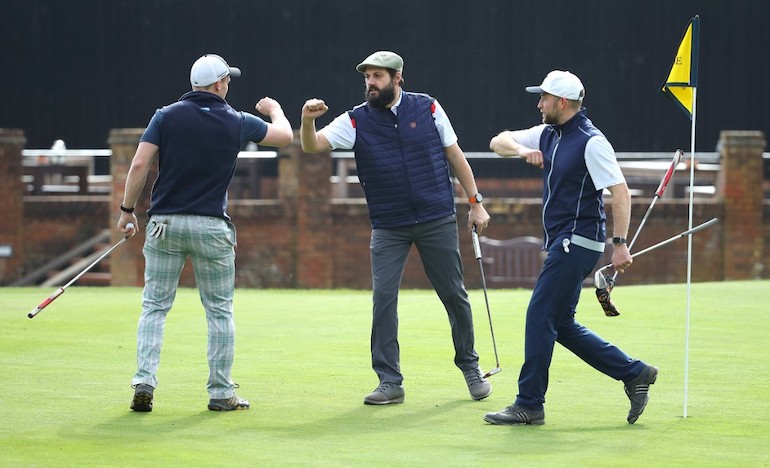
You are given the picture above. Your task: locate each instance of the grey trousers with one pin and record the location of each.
(438, 244)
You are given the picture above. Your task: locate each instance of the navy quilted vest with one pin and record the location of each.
(401, 163)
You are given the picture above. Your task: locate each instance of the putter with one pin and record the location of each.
(697, 228)
(477, 253)
(60, 291)
(605, 284)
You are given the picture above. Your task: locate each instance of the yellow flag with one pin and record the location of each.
(683, 78)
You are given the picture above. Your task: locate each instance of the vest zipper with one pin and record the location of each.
(405, 166)
(547, 240)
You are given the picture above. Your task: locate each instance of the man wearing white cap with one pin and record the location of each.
(578, 164)
(196, 141)
(404, 146)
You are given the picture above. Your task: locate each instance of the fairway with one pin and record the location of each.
(302, 359)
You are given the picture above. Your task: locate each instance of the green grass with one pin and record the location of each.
(302, 359)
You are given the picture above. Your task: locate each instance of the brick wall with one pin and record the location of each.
(11, 230)
(306, 239)
(55, 224)
(740, 189)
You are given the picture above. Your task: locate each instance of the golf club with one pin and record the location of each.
(477, 253)
(60, 291)
(697, 228)
(603, 292)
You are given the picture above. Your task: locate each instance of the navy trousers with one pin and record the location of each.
(551, 319)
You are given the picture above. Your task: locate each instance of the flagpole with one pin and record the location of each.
(689, 251)
(681, 85)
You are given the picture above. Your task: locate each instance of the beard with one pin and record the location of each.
(384, 96)
(551, 117)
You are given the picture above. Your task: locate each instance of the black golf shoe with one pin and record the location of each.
(637, 391)
(516, 415)
(142, 401)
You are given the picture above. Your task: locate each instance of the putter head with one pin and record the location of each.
(492, 372)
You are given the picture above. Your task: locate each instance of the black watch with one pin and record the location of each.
(619, 240)
(478, 198)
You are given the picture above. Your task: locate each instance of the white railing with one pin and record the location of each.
(59, 170)
(641, 168)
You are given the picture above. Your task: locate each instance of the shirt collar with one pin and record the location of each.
(394, 107)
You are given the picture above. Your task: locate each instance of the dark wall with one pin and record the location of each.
(75, 69)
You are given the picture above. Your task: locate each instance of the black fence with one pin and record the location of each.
(78, 68)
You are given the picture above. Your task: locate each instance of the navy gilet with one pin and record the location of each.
(571, 203)
(401, 163)
(199, 146)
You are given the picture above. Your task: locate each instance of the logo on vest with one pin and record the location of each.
(413, 124)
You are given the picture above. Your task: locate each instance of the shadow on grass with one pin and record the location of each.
(372, 419)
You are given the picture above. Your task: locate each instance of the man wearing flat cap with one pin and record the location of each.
(405, 146)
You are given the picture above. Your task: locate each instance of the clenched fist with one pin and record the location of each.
(266, 106)
(314, 108)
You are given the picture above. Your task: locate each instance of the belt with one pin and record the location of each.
(587, 243)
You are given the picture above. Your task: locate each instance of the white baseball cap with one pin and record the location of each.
(562, 84)
(209, 69)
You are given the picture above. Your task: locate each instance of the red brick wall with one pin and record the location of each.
(740, 189)
(762, 268)
(264, 254)
(55, 224)
(305, 239)
(12, 228)
(513, 218)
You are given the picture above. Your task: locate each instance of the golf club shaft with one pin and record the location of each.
(477, 253)
(61, 290)
(658, 193)
(109, 251)
(697, 228)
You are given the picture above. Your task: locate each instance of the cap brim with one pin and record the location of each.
(361, 68)
(534, 89)
(235, 72)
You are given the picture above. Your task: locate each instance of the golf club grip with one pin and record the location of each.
(45, 303)
(664, 183)
(476, 246)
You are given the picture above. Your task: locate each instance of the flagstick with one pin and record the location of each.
(689, 253)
